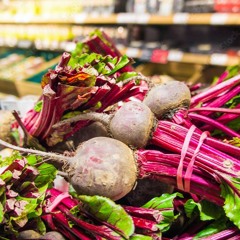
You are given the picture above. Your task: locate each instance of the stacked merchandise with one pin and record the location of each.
(108, 153)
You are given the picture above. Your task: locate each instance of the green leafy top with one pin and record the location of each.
(232, 200)
(235, 141)
(107, 210)
(164, 203)
(206, 210)
(23, 186)
(96, 64)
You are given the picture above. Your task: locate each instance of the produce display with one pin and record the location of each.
(86, 158)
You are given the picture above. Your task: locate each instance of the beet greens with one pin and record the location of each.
(90, 82)
(216, 109)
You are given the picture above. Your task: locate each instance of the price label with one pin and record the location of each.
(219, 59)
(180, 18)
(132, 52)
(80, 18)
(143, 18)
(219, 18)
(159, 56)
(126, 18)
(175, 56)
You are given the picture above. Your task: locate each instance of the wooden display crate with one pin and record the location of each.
(22, 88)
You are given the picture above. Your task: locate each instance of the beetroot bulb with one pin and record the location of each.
(107, 167)
(135, 125)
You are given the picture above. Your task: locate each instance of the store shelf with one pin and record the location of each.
(156, 55)
(128, 18)
(165, 56)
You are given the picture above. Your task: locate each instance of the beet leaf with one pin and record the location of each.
(206, 210)
(164, 203)
(213, 228)
(140, 237)
(108, 211)
(232, 201)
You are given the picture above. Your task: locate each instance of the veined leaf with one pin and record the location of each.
(235, 141)
(164, 203)
(38, 106)
(106, 65)
(1, 213)
(32, 159)
(213, 228)
(107, 210)
(8, 160)
(126, 75)
(232, 201)
(47, 173)
(140, 237)
(206, 210)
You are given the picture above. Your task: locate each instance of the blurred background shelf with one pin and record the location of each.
(200, 37)
(127, 18)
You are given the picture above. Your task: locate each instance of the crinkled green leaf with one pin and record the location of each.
(233, 102)
(83, 59)
(235, 141)
(1, 212)
(38, 106)
(8, 160)
(70, 115)
(99, 62)
(140, 237)
(213, 228)
(33, 210)
(232, 201)
(126, 75)
(22, 219)
(206, 210)
(47, 174)
(232, 71)
(32, 159)
(234, 124)
(164, 203)
(41, 226)
(123, 61)
(107, 210)
(6, 176)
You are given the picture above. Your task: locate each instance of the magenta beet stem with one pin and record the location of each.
(215, 124)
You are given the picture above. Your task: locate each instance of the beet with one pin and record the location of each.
(29, 234)
(53, 235)
(165, 98)
(132, 124)
(101, 166)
